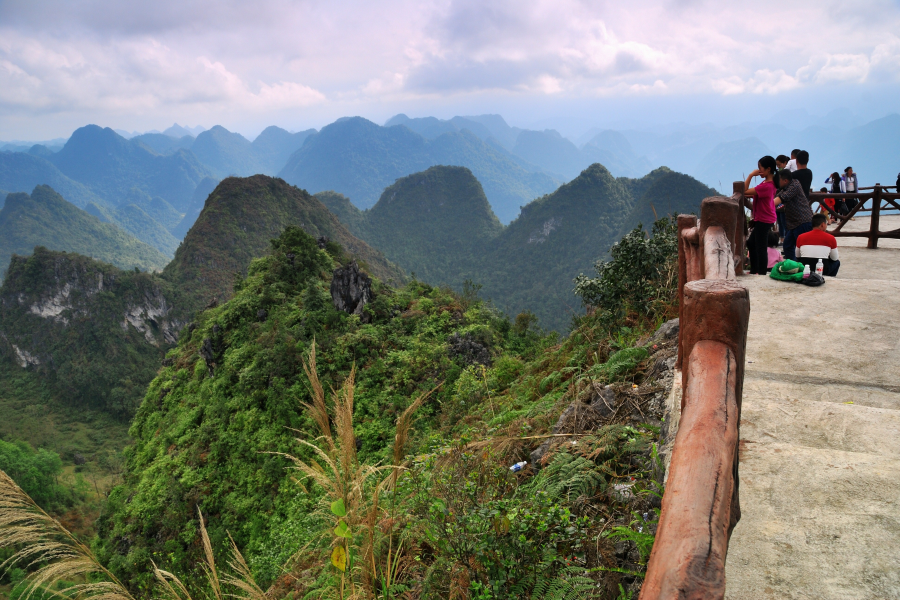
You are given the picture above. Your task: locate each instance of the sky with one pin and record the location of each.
(567, 64)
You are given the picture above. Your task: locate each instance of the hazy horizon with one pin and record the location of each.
(567, 65)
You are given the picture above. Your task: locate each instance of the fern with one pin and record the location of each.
(570, 584)
(570, 477)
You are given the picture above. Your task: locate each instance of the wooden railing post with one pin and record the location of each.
(685, 222)
(701, 505)
(740, 241)
(876, 217)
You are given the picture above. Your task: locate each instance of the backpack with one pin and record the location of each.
(787, 270)
(814, 280)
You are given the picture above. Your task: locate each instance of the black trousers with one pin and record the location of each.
(757, 244)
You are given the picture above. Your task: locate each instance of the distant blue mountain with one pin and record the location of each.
(111, 165)
(21, 172)
(358, 158)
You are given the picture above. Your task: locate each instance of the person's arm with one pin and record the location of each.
(750, 192)
(833, 255)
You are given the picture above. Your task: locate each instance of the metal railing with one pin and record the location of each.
(881, 200)
(700, 507)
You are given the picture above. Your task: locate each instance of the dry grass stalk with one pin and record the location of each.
(38, 539)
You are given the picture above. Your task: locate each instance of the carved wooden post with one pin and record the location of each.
(876, 217)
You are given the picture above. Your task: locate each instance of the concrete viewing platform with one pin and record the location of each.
(820, 433)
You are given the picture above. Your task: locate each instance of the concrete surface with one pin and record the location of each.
(820, 435)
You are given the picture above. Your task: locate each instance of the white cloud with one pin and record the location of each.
(213, 61)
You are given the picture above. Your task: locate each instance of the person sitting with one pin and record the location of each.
(774, 255)
(797, 212)
(818, 244)
(829, 203)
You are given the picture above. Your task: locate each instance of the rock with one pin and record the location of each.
(603, 400)
(78, 459)
(351, 290)
(667, 332)
(577, 418)
(206, 352)
(468, 350)
(322, 242)
(262, 314)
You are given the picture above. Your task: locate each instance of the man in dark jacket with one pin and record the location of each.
(797, 213)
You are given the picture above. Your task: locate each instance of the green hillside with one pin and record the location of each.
(433, 223)
(44, 218)
(230, 400)
(438, 225)
(358, 158)
(239, 218)
(21, 172)
(93, 333)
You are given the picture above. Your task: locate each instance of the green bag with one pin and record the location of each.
(787, 270)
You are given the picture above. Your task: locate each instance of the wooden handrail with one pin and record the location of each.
(877, 196)
(700, 507)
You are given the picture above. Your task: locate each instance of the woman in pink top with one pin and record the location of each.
(760, 200)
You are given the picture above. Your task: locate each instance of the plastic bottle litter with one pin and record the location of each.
(820, 268)
(805, 271)
(518, 466)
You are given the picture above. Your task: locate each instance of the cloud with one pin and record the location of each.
(212, 61)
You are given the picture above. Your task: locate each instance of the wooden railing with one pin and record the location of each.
(700, 507)
(881, 200)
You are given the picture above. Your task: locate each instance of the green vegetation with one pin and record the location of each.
(45, 219)
(359, 159)
(37, 473)
(438, 225)
(437, 383)
(21, 172)
(239, 218)
(94, 334)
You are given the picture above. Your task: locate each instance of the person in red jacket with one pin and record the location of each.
(819, 244)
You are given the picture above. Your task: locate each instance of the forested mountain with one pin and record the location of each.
(21, 172)
(438, 225)
(95, 334)
(111, 165)
(201, 193)
(239, 219)
(130, 217)
(44, 218)
(274, 146)
(358, 158)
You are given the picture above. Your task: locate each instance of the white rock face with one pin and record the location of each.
(25, 358)
(539, 236)
(54, 307)
(149, 317)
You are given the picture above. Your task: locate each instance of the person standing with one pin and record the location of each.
(762, 213)
(850, 185)
(797, 212)
(802, 174)
(792, 164)
(837, 187)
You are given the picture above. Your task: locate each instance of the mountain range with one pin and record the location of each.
(439, 225)
(44, 218)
